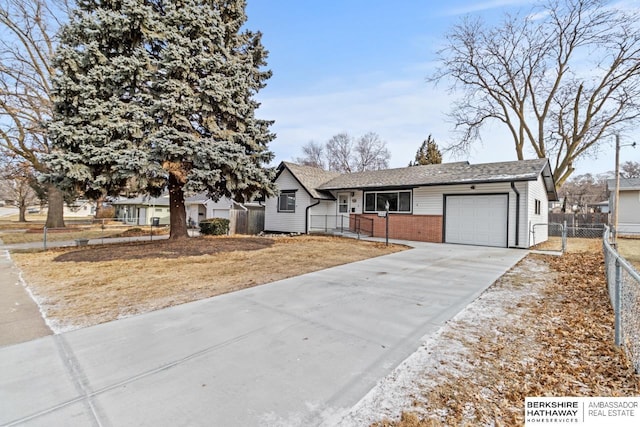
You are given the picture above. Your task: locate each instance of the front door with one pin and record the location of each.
(142, 216)
(343, 203)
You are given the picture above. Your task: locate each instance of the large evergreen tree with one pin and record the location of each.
(157, 95)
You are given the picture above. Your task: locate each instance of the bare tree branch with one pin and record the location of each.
(561, 78)
(344, 154)
(29, 30)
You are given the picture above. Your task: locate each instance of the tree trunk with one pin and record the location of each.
(177, 212)
(55, 214)
(22, 210)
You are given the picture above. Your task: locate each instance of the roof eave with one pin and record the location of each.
(431, 184)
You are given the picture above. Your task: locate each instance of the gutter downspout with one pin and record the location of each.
(233, 202)
(306, 216)
(515, 190)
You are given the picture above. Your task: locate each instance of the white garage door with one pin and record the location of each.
(477, 220)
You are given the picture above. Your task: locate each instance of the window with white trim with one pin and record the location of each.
(287, 201)
(538, 207)
(399, 201)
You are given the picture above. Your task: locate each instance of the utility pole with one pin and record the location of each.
(617, 191)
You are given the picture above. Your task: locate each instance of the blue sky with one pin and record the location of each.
(361, 65)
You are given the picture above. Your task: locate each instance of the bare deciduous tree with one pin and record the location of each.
(312, 155)
(27, 45)
(16, 185)
(343, 153)
(339, 153)
(630, 170)
(370, 153)
(580, 191)
(561, 79)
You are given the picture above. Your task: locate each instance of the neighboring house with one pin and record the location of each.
(200, 207)
(628, 205)
(602, 207)
(79, 208)
(493, 204)
(140, 210)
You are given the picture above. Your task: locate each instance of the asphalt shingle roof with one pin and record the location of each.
(311, 178)
(317, 181)
(446, 173)
(625, 184)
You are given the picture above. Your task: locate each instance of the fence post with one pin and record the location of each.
(44, 238)
(564, 236)
(617, 304)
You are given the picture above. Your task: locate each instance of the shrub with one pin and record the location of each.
(106, 213)
(214, 226)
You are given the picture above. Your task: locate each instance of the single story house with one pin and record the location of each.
(628, 205)
(492, 204)
(140, 210)
(79, 208)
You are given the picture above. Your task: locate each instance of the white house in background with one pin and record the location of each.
(628, 206)
(79, 209)
(493, 204)
(141, 210)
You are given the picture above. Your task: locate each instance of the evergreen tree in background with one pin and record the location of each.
(158, 95)
(427, 154)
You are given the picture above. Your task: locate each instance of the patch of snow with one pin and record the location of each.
(442, 353)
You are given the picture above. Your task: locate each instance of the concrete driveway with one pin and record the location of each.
(299, 351)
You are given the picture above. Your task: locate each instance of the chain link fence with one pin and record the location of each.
(87, 232)
(562, 237)
(623, 283)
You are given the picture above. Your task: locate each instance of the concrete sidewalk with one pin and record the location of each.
(300, 351)
(20, 318)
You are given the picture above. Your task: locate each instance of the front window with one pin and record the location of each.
(287, 201)
(376, 201)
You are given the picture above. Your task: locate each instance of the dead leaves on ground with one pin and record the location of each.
(561, 345)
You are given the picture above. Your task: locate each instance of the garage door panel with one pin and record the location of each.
(477, 220)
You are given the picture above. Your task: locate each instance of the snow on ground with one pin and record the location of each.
(445, 351)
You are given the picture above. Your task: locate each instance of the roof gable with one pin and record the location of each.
(310, 178)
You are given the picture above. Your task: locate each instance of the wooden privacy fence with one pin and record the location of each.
(577, 219)
(246, 221)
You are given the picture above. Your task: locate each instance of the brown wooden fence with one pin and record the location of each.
(250, 221)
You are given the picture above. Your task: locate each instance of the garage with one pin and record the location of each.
(477, 219)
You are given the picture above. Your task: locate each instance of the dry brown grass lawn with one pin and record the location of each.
(98, 284)
(574, 244)
(629, 248)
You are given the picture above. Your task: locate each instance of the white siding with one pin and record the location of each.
(540, 233)
(523, 233)
(430, 201)
(629, 207)
(288, 222)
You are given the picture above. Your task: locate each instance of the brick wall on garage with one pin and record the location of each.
(421, 228)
